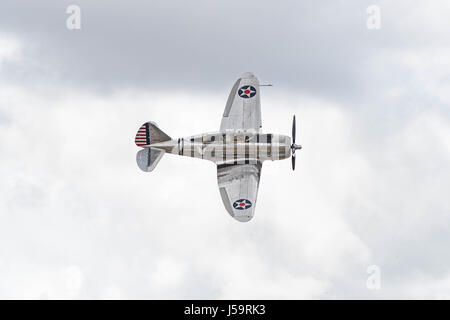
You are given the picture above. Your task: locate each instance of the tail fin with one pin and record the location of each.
(148, 158)
(149, 133)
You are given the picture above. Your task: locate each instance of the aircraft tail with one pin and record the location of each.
(148, 158)
(149, 133)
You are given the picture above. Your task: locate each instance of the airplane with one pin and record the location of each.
(238, 149)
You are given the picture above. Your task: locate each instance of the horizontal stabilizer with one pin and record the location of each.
(148, 158)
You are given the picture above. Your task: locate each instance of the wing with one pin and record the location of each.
(238, 185)
(243, 109)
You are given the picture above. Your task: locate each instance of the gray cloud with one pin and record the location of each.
(302, 46)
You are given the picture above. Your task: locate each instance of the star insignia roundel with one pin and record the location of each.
(246, 92)
(242, 204)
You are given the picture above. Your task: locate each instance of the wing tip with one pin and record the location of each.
(242, 218)
(248, 75)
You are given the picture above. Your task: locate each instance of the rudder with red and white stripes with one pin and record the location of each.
(148, 134)
(143, 136)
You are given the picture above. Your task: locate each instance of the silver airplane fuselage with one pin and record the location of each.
(230, 147)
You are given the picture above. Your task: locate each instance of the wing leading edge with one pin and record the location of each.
(238, 185)
(243, 108)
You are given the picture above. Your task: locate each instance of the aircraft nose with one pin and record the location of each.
(287, 147)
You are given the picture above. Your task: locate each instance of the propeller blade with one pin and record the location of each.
(293, 129)
(293, 162)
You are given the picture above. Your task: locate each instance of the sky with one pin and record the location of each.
(79, 220)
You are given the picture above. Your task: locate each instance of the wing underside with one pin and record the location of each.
(238, 185)
(243, 108)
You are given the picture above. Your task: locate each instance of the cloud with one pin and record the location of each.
(309, 47)
(9, 48)
(80, 220)
(74, 197)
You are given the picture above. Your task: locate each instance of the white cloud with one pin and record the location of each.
(80, 220)
(10, 48)
(73, 195)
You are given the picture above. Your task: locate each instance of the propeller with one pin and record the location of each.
(293, 145)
